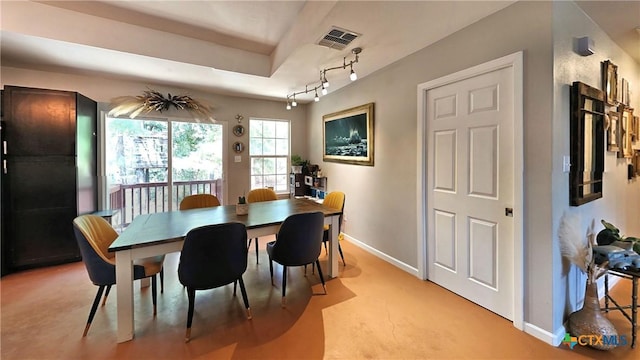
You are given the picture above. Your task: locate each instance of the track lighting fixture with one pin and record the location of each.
(323, 82)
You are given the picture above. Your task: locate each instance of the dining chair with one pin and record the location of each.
(199, 201)
(259, 195)
(299, 242)
(213, 256)
(94, 236)
(334, 200)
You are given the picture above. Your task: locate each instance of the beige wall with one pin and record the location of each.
(388, 190)
(225, 109)
(620, 202)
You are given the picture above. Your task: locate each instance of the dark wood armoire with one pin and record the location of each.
(48, 174)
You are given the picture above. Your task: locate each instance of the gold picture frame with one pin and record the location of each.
(348, 136)
(626, 121)
(610, 82)
(613, 132)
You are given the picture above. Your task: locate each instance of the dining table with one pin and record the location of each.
(163, 233)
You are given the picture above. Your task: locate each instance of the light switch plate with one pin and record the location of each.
(566, 163)
(238, 158)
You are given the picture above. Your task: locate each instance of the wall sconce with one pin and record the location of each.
(323, 83)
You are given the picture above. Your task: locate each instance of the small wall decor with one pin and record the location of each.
(626, 120)
(636, 128)
(238, 130)
(238, 147)
(613, 132)
(348, 136)
(610, 82)
(624, 93)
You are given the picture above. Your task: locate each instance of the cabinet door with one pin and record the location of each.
(39, 122)
(42, 199)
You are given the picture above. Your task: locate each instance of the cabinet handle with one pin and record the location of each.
(4, 147)
(4, 166)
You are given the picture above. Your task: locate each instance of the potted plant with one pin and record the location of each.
(610, 235)
(297, 164)
(242, 208)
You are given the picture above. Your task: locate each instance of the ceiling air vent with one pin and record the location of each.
(338, 38)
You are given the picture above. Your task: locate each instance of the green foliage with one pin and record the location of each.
(296, 160)
(612, 233)
(187, 139)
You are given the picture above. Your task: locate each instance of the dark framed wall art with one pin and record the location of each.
(348, 136)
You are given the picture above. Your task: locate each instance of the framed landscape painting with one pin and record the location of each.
(348, 136)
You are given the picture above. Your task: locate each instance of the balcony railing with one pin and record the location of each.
(147, 198)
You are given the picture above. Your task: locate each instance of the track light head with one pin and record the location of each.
(324, 91)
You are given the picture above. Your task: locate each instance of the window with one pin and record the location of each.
(269, 153)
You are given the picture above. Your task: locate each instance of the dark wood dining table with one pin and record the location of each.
(163, 233)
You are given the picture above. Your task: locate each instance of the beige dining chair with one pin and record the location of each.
(199, 201)
(259, 195)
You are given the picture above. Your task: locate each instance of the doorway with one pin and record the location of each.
(470, 184)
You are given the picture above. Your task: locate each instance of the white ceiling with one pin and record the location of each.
(258, 49)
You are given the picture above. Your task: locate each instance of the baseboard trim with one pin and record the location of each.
(393, 261)
(553, 339)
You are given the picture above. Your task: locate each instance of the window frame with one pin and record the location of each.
(287, 157)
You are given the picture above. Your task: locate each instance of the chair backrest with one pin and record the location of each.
(213, 255)
(94, 235)
(262, 194)
(199, 201)
(335, 200)
(299, 240)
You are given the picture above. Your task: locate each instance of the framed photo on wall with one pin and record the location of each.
(626, 120)
(610, 82)
(348, 136)
(613, 132)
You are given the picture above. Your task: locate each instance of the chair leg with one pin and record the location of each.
(326, 250)
(321, 277)
(154, 294)
(162, 279)
(94, 307)
(191, 293)
(235, 285)
(244, 298)
(104, 300)
(341, 255)
(257, 258)
(284, 286)
(271, 270)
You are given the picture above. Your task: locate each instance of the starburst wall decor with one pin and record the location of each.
(152, 100)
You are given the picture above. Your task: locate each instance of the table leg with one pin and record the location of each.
(124, 286)
(606, 292)
(333, 247)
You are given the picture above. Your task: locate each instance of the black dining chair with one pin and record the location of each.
(213, 256)
(94, 236)
(299, 242)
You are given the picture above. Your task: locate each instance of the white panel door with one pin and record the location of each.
(470, 157)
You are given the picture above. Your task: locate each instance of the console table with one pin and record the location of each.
(633, 318)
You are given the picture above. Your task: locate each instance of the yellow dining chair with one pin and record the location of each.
(199, 201)
(334, 200)
(259, 195)
(94, 236)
